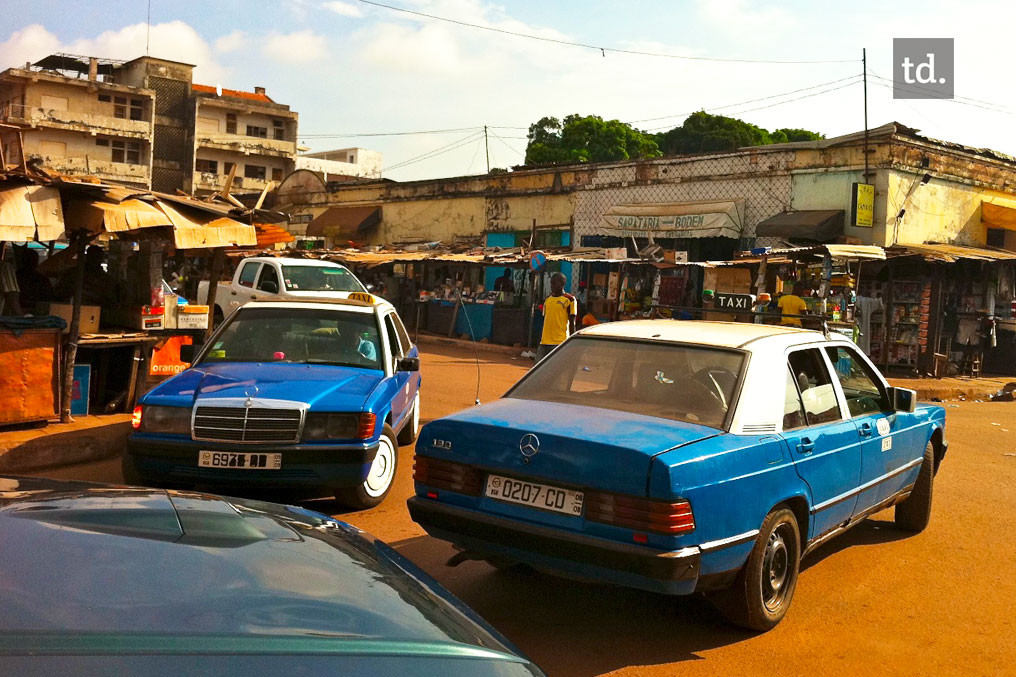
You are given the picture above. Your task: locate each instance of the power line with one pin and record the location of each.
(962, 100)
(854, 81)
(441, 150)
(506, 145)
(602, 50)
(742, 103)
(425, 131)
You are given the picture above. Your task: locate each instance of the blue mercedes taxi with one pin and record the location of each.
(304, 394)
(680, 457)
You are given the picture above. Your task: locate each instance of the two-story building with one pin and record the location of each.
(145, 123)
(79, 119)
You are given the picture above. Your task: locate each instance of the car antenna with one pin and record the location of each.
(476, 352)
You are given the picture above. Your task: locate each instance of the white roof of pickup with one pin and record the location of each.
(307, 263)
(719, 334)
(337, 305)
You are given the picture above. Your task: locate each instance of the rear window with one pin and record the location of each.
(674, 381)
(319, 278)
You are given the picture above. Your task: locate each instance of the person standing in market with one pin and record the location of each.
(792, 306)
(559, 311)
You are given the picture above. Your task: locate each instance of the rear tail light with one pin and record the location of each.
(366, 428)
(640, 514)
(136, 418)
(456, 477)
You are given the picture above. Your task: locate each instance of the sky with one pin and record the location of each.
(355, 71)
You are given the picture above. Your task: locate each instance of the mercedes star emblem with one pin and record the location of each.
(529, 445)
(250, 392)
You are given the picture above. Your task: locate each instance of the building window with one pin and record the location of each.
(120, 107)
(206, 166)
(227, 167)
(259, 132)
(105, 98)
(276, 174)
(102, 142)
(254, 172)
(127, 151)
(231, 123)
(279, 130)
(137, 109)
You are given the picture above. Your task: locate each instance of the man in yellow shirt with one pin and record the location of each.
(559, 311)
(792, 304)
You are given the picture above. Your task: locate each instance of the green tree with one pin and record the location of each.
(586, 139)
(703, 133)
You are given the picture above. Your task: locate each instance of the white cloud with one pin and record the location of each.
(231, 42)
(28, 44)
(748, 22)
(295, 48)
(344, 9)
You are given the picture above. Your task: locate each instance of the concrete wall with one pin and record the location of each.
(212, 182)
(329, 167)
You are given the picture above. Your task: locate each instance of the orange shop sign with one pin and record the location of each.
(166, 356)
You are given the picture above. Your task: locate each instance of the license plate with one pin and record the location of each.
(541, 496)
(239, 461)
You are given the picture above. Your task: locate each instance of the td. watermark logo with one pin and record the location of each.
(923, 68)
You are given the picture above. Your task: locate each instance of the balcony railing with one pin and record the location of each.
(67, 119)
(252, 145)
(104, 169)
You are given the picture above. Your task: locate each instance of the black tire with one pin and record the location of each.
(380, 477)
(764, 587)
(410, 428)
(914, 513)
(129, 471)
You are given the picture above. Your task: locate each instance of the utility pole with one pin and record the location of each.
(864, 68)
(486, 146)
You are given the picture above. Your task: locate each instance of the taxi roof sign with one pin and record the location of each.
(363, 297)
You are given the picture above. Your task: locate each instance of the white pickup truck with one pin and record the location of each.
(264, 276)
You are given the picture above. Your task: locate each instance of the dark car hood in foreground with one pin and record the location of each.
(91, 569)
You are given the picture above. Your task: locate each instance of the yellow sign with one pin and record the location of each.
(864, 205)
(361, 296)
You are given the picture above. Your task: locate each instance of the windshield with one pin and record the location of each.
(675, 381)
(311, 336)
(319, 278)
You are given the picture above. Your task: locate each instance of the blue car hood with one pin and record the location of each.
(582, 446)
(324, 387)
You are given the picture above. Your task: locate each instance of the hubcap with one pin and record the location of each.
(775, 571)
(381, 470)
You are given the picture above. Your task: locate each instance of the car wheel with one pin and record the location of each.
(129, 471)
(914, 513)
(380, 477)
(764, 588)
(408, 433)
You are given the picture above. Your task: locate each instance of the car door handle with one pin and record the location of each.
(806, 446)
(865, 430)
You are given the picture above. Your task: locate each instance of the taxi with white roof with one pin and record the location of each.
(303, 394)
(681, 457)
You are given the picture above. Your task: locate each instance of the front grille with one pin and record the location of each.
(247, 424)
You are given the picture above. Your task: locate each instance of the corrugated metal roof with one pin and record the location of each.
(952, 252)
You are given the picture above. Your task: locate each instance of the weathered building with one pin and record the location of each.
(145, 122)
(707, 205)
(345, 162)
(79, 119)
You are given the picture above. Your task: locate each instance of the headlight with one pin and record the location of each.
(171, 420)
(320, 426)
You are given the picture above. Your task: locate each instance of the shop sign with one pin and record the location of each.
(863, 205)
(723, 301)
(166, 357)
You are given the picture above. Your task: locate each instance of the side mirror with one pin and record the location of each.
(409, 364)
(903, 399)
(270, 287)
(187, 353)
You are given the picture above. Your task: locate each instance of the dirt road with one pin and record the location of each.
(875, 601)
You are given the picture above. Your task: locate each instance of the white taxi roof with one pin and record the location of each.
(719, 334)
(338, 305)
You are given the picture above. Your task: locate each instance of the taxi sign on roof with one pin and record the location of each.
(362, 296)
